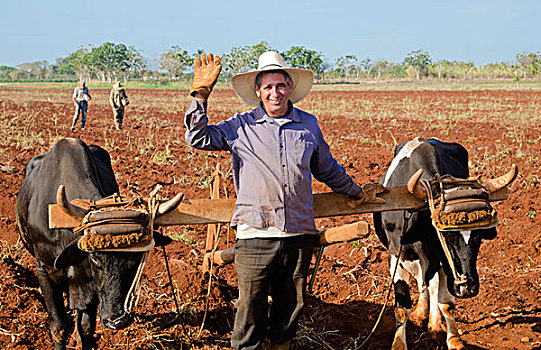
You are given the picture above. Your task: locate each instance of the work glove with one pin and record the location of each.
(368, 195)
(205, 76)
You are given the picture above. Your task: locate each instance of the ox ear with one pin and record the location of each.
(161, 240)
(71, 255)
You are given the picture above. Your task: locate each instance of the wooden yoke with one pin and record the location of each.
(213, 211)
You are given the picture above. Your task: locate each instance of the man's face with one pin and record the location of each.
(274, 93)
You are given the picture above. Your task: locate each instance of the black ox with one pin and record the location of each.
(422, 255)
(88, 279)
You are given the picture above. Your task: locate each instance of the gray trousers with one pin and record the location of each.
(275, 267)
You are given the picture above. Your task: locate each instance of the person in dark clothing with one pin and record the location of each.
(118, 99)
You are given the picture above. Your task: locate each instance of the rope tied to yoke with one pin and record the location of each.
(132, 298)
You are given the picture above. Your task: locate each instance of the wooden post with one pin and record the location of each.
(213, 230)
(339, 234)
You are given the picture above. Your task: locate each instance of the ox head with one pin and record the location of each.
(112, 272)
(459, 256)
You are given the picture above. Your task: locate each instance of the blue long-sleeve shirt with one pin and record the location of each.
(273, 163)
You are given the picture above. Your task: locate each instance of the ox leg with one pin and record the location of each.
(435, 324)
(403, 303)
(86, 325)
(447, 307)
(419, 315)
(53, 295)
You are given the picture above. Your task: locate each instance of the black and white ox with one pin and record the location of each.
(88, 279)
(422, 255)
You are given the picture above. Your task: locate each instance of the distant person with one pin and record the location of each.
(80, 100)
(118, 100)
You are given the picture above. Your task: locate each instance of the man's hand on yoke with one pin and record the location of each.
(207, 68)
(368, 194)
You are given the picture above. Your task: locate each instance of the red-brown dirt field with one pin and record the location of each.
(498, 128)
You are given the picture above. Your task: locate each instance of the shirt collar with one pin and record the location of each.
(260, 115)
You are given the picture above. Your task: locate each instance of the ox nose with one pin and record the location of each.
(118, 323)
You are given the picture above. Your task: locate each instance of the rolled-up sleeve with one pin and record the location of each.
(199, 134)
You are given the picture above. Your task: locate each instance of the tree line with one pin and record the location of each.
(114, 62)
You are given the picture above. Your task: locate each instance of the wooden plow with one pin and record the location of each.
(219, 210)
(213, 230)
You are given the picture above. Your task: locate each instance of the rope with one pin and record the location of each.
(208, 290)
(459, 278)
(132, 298)
(178, 316)
(407, 216)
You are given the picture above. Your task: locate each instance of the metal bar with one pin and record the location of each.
(316, 267)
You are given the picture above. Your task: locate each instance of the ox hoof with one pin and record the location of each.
(118, 323)
(437, 326)
(399, 345)
(454, 343)
(419, 317)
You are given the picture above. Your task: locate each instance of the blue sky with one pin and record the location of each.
(482, 31)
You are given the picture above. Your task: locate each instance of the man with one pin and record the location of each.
(276, 149)
(80, 100)
(118, 100)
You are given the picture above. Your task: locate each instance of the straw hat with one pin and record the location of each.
(244, 83)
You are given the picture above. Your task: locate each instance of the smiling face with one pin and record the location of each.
(274, 92)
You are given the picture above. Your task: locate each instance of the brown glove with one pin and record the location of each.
(369, 192)
(205, 76)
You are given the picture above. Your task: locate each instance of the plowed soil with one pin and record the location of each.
(498, 128)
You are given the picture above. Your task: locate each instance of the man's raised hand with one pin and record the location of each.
(207, 68)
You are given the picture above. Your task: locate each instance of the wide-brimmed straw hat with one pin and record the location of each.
(244, 83)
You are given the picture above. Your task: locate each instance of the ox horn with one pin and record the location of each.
(170, 205)
(493, 185)
(70, 209)
(414, 188)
